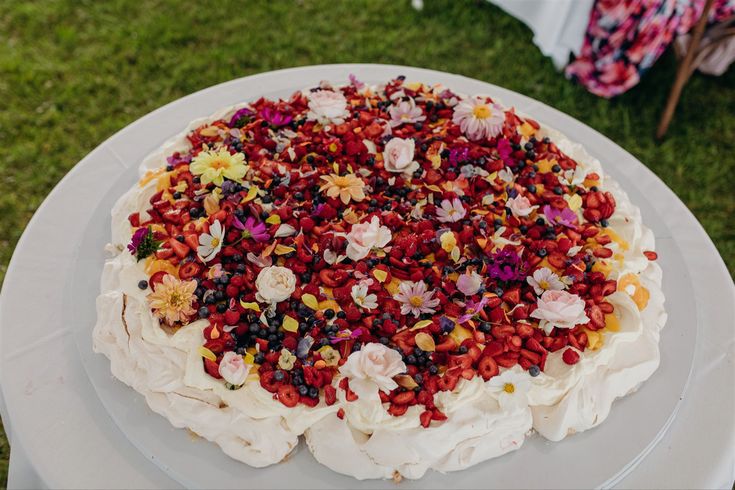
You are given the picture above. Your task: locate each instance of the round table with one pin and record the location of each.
(61, 435)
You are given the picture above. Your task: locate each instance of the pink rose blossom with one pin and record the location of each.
(520, 206)
(559, 309)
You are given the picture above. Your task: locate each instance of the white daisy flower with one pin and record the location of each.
(211, 243)
(361, 297)
(544, 279)
(510, 387)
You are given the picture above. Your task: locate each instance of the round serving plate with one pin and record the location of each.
(596, 458)
(79, 428)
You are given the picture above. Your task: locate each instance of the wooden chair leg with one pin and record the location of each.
(683, 72)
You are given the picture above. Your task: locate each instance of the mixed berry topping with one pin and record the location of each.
(443, 228)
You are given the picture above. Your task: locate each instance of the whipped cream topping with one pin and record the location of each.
(252, 427)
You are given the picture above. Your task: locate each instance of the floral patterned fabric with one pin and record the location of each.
(625, 38)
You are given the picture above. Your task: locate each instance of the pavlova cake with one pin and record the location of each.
(409, 277)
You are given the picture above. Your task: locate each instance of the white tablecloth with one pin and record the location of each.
(558, 25)
(61, 435)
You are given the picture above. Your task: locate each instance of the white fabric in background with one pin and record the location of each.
(558, 25)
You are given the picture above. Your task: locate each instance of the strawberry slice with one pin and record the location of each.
(156, 278)
(330, 395)
(425, 418)
(192, 240)
(187, 270)
(180, 249)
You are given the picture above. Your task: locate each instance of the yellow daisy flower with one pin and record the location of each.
(214, 166)
(172, 299)
(345, 187)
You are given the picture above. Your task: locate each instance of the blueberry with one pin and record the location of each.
(303, 390)
(604, 223)
(534, 371)
(433, 369)
(531, 188)
(542, 252)
(329, 313)
(177, 195)
(485, 327)
(418, 378)
(558, 190)
(528, 146)
(259, 358)
(203, 312)
(278, 375)
(342, 315)
(313, 392)
(462, 349)
(221, 308)
(556, 168)
(143, 284)
(411, 359)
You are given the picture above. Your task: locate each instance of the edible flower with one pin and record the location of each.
(415, 299)
(506, 265)
(559, 309)
(275, 118)
(211, 243)
(469, 283)
(450, 211)
(472, 309)
(564, 217)
(214, 166)
(142, 244)
(544, 279)
(371, 369)
(275, 284)
(510, 387)
(172, 299)
(252, 229)
(520, 206)
(240, 117)
(361, 297)
(365, 237)
(327, 106)
(346, 187)
(398, 156)
(346, 334)
(405, 112)
(479, 119)
(233, 368)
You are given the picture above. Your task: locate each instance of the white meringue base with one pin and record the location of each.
(368, 443)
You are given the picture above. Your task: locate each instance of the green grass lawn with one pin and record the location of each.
(74, 72)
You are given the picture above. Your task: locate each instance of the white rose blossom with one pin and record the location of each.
(275, 284)
(233, 368)
(371, 369)
(398, 156)
(364, 237)
(327, 106)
